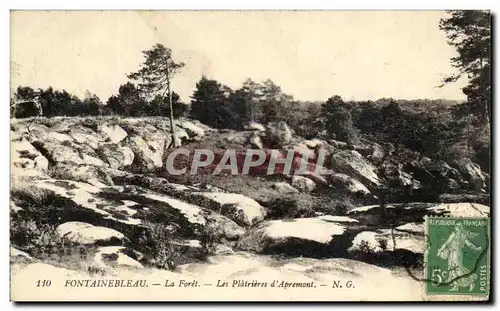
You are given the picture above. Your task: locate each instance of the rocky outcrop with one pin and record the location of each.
(117, 257)
(303, 184)
(277, 135)
(352, 163)
(25, 159)
(116, 156)
(254, 126)
(349, 185)
(284, 188)
(399, 214)
(243, 210)
(472, 173)
(84, 233)
(322, 236)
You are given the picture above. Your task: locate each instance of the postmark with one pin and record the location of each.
(457, 256)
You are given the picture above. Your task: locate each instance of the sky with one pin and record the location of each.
(359, 55)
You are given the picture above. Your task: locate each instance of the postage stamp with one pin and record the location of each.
(457, 256)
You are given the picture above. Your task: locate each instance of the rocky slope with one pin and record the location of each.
(90, 196)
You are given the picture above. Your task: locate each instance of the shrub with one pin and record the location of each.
(164, 253)
(339, 122)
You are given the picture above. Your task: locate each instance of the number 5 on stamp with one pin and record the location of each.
(457, 256)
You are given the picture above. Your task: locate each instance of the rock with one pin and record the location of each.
(303, 184)
(221, 249)
(412, 227)
(86, 201)
(387, 241)
(117, 256)
(243, 210)
(225, 227)
(114, 133)
(254, 126)
(19, 256)
(303, 152)
(351, 163)
(278, 134)
(314, 143)
(378, 154)
(14, 208)
(95, 175)
(394, 176)
(399, 214)
(239, 138)
(349, 185)
(472, 173)
(255, 141)
(85, 136)
(434, 176)
(338, 144)
(26, 160)
(116, 156)
(192, 129)
(69, 152)
(148, 157)
(284, 188)
(469, 198)
(85, 233)
(292, 237)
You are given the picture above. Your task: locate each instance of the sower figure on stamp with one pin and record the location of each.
(452, 250)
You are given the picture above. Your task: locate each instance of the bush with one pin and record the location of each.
(282, 208)
(339, 122)
(164, 253)
(39, 240)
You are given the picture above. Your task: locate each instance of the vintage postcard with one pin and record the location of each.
(250, 156)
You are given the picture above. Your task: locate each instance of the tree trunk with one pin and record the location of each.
(172, 126)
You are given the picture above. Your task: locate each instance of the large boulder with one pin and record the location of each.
(243, 210)
(312, 237)
(303, 184)
(400, 214)
(94, 175)
(61, 148)
(278, 134)
(149, 156)
(25, 159)
(392, 172)
(117, 256)
(113, 133)
(192, 129)
(434, 176)
(351, 162)
(349, 185)
(84, 135)
(389, 247)
(116, 156)
(472, 173)
(87, 234)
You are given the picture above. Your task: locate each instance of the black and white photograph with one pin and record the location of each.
(250, 155)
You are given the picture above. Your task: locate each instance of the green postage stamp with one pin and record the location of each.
(457, 256)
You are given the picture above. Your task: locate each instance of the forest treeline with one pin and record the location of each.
(435, 128)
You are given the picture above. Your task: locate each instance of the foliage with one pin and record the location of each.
(339, 121)
(130, 102)
(469, 31)
(54, 103)
(210, 104)
(164, 253)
